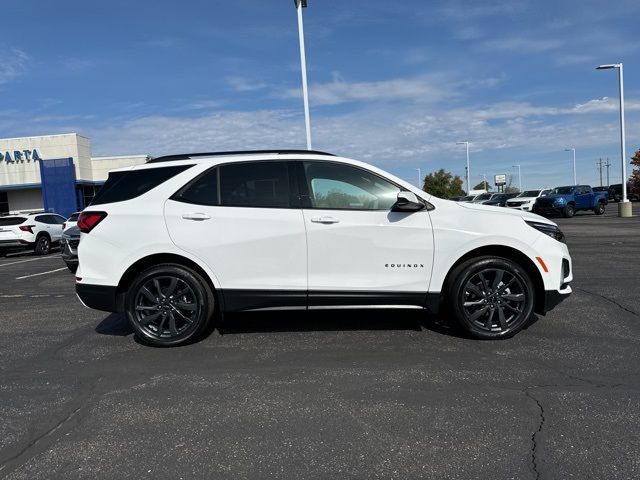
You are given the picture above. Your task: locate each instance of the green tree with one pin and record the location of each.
(483, 186)
(443, 184)
(635, 174)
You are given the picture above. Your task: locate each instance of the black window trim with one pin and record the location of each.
(294, 196)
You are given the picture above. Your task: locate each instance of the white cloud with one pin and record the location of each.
(14, 64)
(520, 44)
(241, 84)
(418, 89)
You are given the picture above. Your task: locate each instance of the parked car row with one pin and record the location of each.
(615, 192)
(565, 201)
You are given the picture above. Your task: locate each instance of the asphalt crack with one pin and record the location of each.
(534, 435)
(619, 305)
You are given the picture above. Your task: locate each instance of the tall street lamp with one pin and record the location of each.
(575, 179)
(419, 178)
(300, 4)
(624, 207)
(468, 170)
(519, 177)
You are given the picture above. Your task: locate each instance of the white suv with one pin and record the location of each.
(527, 199)
(174, 240)
(31, 230)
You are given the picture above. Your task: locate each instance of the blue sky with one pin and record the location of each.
(392, 83)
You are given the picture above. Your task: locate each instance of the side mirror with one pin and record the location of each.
(407, 202)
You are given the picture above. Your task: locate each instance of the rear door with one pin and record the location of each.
(243, 220)
(360, 251)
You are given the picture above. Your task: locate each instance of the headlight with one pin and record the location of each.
(551, 230)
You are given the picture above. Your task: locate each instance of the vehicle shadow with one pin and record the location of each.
(312, 321)
(115, 324)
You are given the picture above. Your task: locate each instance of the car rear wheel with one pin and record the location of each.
(568, 211)
(169, 305)
(599, 209)
(43, 245)
(491, 297)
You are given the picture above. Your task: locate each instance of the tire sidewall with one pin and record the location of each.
(470, 268)
(201, 290)
(600, 208)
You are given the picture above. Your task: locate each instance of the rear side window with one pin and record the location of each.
(43, 219)
(7, 222)
(255, 184)
(203, 190)
(121, 186)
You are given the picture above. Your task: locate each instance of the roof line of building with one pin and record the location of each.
(40, 136)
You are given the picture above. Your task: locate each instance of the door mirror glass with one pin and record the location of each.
(408, 202)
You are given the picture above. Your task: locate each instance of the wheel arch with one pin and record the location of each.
(155, 259)
(512, 254)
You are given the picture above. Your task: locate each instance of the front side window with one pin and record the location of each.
(336, 186)
(255, 184)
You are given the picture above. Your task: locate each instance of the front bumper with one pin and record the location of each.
(98, 297)
(526, 207)
(552, 298)
(547, 209)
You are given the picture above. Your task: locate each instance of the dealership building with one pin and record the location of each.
(53, 173)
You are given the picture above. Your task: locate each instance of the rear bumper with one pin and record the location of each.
(98, 297)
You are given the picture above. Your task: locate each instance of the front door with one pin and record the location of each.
(242, 221)
(360, 252)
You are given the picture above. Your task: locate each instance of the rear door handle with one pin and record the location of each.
(326, 220)
(196, 216)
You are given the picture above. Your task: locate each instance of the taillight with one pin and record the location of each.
(87, 221)
(26, 228)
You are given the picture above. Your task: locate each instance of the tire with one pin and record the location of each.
(72, 268)
(600, 208)
(43, 244)
(3, 253)
(568, 211)
(169, 305)
(490, 297)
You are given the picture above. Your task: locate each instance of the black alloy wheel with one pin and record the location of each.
(43, 245)
(568, 211)
(491, 297)
(169, 305)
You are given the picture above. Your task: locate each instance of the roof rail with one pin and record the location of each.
(186, 156)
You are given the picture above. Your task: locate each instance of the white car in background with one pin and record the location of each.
(182, 238)
(38, 231)
(527, 199)
(71, 221)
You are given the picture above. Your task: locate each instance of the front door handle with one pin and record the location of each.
(326, 220)
(196, 216)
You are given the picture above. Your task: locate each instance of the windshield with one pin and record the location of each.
(499, 196)
(484, 196)
(562, 190)
(467, 199)
(530, 193)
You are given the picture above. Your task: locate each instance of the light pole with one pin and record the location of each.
(468, 169)
(419, 178)
(519, 177)
(575, 179)
(624, 208)
(300, 4)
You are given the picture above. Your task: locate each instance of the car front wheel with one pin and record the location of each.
(169, 305)
(599, 209)
(568, 211)
(491, 297)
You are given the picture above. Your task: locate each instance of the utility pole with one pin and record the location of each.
(600, 164)
(300, 4)
(608, 164)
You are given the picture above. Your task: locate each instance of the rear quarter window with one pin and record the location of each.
(121, 186)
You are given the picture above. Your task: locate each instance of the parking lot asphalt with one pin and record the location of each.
(355, 394)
